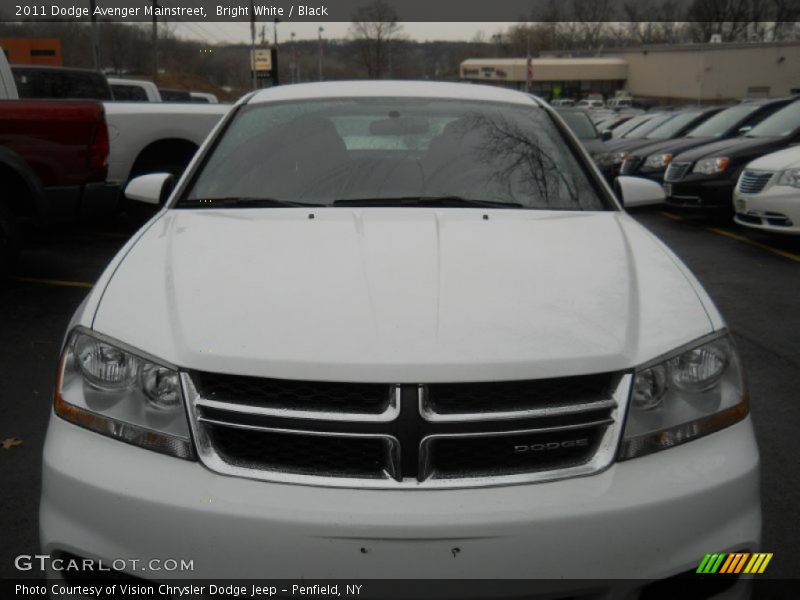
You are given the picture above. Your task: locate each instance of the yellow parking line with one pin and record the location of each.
(740, 238)
(58, 282)
(672, 216)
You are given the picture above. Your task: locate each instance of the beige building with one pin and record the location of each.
(691, 72)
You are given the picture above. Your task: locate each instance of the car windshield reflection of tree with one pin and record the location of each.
(346, 152)
(516, 160)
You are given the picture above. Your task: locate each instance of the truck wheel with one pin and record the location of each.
(9, 241)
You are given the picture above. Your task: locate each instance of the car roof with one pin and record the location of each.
(378, 89)
(54, 68)
(124, 81)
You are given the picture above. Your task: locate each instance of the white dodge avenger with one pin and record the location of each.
(399, 329)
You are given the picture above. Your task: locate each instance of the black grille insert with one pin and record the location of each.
(511, 454)
(507, 396)
(284, 394)
(302, 453)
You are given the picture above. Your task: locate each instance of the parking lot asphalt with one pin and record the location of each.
(753, 277)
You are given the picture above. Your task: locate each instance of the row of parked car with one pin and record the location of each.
(737, 159)
(34, 81)
(67, 150)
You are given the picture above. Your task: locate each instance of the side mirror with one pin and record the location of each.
(153, 188)
(745, 130)
(606, 135)
(634, 192)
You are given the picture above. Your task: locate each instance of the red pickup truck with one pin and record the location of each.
(53, 163)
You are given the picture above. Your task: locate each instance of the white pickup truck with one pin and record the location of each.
(149, 137)
(145, 137)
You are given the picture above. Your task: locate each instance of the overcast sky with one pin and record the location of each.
(240, 32)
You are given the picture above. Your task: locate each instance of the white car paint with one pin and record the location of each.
(516, 295)
(235, 527)
(770, 208)
(468, 314)
(204, 97)
(591, 104)
(149, 88)
(8, 89)
(133, 126)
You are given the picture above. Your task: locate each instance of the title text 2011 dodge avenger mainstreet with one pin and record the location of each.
(376, 322)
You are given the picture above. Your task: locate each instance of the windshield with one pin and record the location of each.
(722, 122)
(781, 124)
(629, 125)
(580, 124)
(335, 151)
(33, 83)
(673, 126)
(648, 126)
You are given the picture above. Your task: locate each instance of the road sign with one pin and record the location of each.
(261, 60)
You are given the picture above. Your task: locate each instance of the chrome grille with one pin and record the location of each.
(304, 452)
(676, 171)
(297, 399)
(516, 399)
(752, 182)
(436, 435)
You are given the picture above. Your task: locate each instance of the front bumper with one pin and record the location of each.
(698, 191)
(775, 209)
(650, 517)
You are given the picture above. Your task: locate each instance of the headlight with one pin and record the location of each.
(790, 177)
(710, 166)
(657, 161)
(690, 393)
(123, 394)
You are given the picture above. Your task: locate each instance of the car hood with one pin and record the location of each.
(788, 158)
(401, 294)
(732, 148)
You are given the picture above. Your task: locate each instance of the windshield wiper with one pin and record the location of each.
(447, 201)
(241, 202)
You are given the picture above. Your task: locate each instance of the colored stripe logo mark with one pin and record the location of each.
(735, 563)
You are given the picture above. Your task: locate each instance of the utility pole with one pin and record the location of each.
(253, 45)
(319, 65)
(293, 65)
(95, 43)
(275, 70)
(155, 42)
(528, 64)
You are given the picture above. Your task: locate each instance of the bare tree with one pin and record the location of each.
(374, 28)
(591, 22)
(730, 19)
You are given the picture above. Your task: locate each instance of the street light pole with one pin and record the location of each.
(528, 64)
(155, 42)
(275, 67)
(293, 66)
(319, 63)
(253, 45)
(95, 43)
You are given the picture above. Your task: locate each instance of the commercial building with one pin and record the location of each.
(689, 72)
(32, 51)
